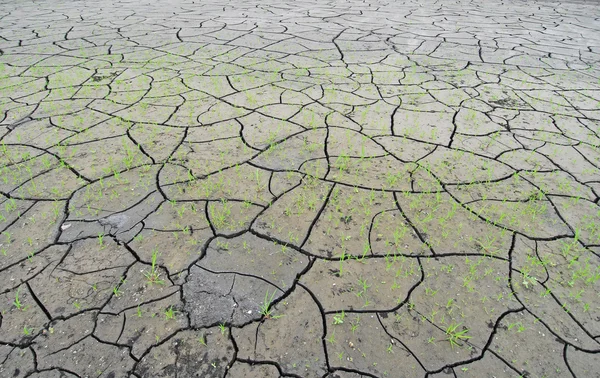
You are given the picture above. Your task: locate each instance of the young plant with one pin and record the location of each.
(170, 313)
(265, 307)
(454, 336)
(153, 276)
(339, 318)
(17, 302)
(117, 290)
(354, 324)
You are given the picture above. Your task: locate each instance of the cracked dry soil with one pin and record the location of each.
(336, 189)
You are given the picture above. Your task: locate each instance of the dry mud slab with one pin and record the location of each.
(340, 189)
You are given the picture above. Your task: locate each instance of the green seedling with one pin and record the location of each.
(331, 338)
(17, 302)
(339, 318)
(265, 308)
(354, 324)
(170, 313)
(455, 336)
(153, 276)
(389, 348)
(117, 292)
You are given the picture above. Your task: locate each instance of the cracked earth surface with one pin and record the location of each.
(336, 189)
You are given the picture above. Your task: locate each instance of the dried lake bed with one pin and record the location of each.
(339, 189)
